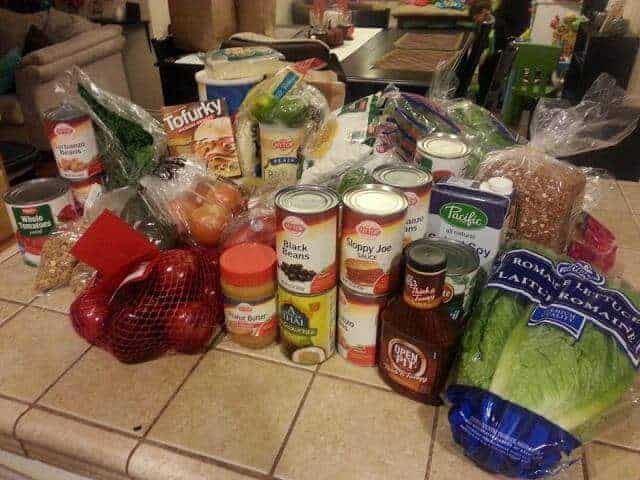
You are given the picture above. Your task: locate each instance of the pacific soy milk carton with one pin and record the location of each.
(470, 212)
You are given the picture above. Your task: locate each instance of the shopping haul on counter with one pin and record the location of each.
(414, 235)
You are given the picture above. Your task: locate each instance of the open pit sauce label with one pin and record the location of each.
(371, 252)
(257, 319)
(408, 365)
(306, 249)
(358, 318)
(74, 147)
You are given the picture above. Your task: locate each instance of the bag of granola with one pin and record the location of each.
(551, 192)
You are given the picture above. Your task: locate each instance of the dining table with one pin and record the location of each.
(365, 72)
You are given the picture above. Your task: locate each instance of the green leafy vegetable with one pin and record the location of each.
(572, 383)
(135, 155)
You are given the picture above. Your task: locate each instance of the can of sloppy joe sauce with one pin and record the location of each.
(36, 208)
(416, 185)
(307, 325)
(459, 289)
(443, 154)
(306, 238)
(358, 326)
(373, 218)
(73, 141)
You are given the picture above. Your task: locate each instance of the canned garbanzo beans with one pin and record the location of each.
(460, 282)
(416, 185)
(443, 154)
(372, 234)
(306, 238)
(36, 208)
(358, 326)
(73, 141)
(307, 326)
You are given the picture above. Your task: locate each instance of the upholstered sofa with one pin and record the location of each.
(75, 41)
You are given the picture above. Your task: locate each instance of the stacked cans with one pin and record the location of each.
(307, 222)
(373, 232)
(73, 141)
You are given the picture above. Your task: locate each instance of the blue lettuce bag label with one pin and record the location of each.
(568, 295)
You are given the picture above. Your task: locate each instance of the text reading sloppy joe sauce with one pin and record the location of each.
(306, 238)
(372, 236)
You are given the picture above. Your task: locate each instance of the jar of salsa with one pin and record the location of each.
(248, 280)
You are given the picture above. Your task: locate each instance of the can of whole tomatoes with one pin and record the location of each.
(307, 326)
(358, 317)
(373, 220)
(306, 238)
(73, 141)
(416, 185)
(36, 208)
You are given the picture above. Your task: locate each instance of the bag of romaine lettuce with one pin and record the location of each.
(551, 352)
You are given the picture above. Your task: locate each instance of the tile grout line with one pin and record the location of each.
(357, 382)
(432, 442)
(266, 359)
(162, 410)
(276, 461)
(585, 465)
(34, 403)
(207, 459)
(620, 447)
(14, 315)
(20, 475)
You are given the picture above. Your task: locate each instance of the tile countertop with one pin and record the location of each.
(234, 414)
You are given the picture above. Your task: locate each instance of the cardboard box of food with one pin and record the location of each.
(202, 132)
(201, 25)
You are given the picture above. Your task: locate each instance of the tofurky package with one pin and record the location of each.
(550, 354)
(461, 210)
(202, 131)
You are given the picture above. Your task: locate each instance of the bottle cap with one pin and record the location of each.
(423, 256)
(248, 265)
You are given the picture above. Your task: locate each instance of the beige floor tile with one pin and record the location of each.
(74, 445)
(59, 300)
(36, 347)
(7, 310)
(612, 463)
(631, 191)
(449, 463)
(10, 411)
(628, 266)
(125, 397)
(272, 352)
(234, 408)
(608, 196)
(155, 463)
(338, 367)
(7, 251)
(624, 227)
(16, 280)
(350, 431)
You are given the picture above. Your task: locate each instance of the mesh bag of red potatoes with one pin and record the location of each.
(144, 302)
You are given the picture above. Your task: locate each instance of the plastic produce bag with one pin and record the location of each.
(551, 192)
(130, 140)
(149, 302)
(275, 122)
(200, 207)
(550, 356)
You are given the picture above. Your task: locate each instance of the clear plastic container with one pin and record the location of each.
(240, 62)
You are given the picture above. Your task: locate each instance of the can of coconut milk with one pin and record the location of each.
(307, 325)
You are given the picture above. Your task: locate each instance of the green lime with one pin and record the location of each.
(264, 107)
(292, 111)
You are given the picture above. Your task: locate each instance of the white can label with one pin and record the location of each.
(415, 227)
(357, 330)
(75, 148)
(306, 252)
(371, 253)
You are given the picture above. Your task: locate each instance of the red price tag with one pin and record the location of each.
(110, 245)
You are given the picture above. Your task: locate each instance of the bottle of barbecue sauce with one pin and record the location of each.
(417, 339)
